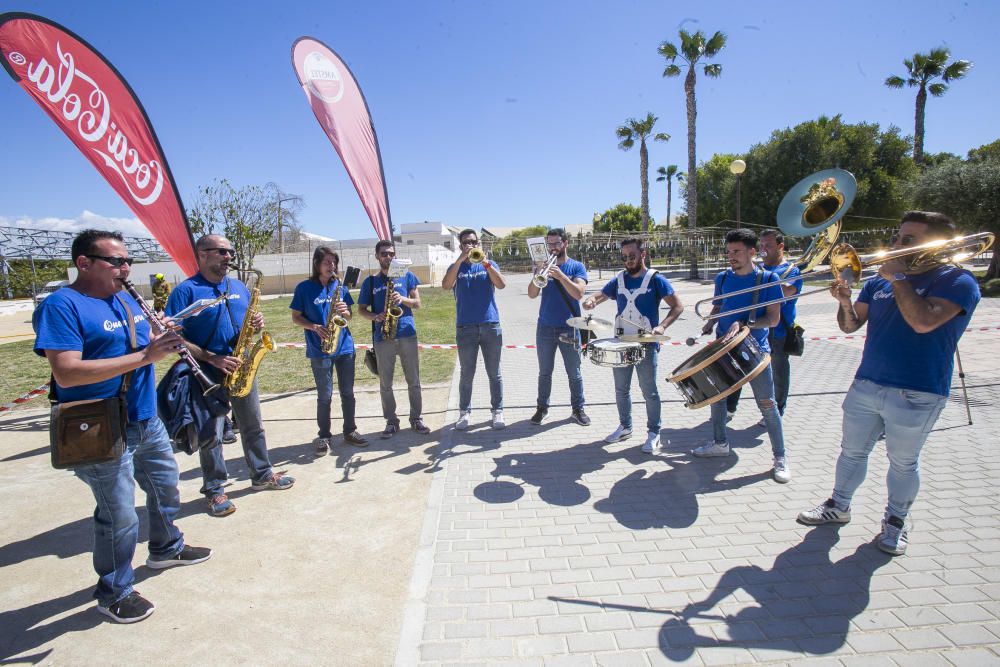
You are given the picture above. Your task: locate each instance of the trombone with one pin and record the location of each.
(847, 264)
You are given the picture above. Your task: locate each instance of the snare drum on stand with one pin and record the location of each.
(722, 367)
(614, 353)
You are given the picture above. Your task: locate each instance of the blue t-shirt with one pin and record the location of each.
(648, 304)
(475, 295)
(727, 281)
(372, 294)
(897, 356)
(787, 308)
(212, 329)
(98, 329)
(553, 311)
(313, 300)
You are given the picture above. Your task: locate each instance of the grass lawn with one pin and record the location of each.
(282, 370)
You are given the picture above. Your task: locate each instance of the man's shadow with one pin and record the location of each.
(26, 628)
(669, 498)
(805, 602)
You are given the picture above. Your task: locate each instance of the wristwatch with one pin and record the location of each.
(897, 277)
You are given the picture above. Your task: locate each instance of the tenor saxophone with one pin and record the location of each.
(334, 325)
(392, 315)
(250, 349)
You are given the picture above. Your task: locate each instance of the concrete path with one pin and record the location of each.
(544, 545)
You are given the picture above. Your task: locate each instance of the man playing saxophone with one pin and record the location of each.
(322, 306)
(394, 335)
(211, 336)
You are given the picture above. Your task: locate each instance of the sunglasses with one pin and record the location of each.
(113, 261)
(225, 252)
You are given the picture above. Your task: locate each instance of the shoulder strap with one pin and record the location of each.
(131, 330)
(569, 302)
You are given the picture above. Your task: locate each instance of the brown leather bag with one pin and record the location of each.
(90, 431)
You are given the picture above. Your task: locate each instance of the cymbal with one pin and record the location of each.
(644, 338)
(589, 323)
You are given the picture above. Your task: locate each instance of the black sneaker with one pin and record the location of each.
(130, 609)
(187, 556)
(228, 437)
(419, 426)
(539, 416)
(581, 418)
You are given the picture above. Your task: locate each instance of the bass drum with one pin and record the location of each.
(722, 367)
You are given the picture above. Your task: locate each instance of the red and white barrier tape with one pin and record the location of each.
(44, 389)
(41, 391)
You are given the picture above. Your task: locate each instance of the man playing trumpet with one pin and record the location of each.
(915, 320)
(637, 292)
(477, 324)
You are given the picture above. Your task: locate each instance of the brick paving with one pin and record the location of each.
(547, 546)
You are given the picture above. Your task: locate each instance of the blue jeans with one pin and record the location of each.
(907, 417)
(646, 370)
(149, 460)
(323, 374)
(546, 342)
(763, 393)
(246, 413)
(470, 338)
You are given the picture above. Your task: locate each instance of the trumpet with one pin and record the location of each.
(541, 277)
(476, 256)
(847, 264)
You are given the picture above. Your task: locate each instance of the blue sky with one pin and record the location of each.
(488, 113)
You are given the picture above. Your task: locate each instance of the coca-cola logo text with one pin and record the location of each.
(85, 107)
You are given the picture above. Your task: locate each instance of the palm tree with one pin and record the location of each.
(694, 48)
(640, 129)
(921, 70)
(667, 174)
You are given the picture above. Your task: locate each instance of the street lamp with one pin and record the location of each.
(737, 168)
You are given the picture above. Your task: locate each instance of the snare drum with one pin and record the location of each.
(722, 367)
(614, 353)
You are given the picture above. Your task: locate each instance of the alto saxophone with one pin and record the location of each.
(392, 315)
(248, 350)
(334, 325)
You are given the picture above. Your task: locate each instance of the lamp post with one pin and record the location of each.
(737, 168)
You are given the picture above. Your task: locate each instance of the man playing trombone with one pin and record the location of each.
(474, 280)
(637, 292)
(564, 281)
(915, 317)
(741, 247)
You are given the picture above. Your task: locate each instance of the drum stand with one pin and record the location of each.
(965, 392)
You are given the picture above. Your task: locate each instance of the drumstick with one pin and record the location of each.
(694, 340)
(640, 327)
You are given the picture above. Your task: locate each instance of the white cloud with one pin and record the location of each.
(86, 220)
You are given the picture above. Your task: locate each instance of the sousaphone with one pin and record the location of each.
(815, 206)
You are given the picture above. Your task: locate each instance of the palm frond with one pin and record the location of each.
(956, 70)
(626, 144)
(661, 136)
(667, 50)
(624, 131)
(714, 70)
(937, 89)
(715, 44)
(894, 82)
(671, 70)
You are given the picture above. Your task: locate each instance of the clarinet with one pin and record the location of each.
(157, 324)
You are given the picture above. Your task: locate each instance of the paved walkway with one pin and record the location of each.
(544, 545)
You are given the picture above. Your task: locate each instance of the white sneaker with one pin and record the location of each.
(782, 475)
(619, 434)
(498, 422)
(652, 443)
(463, 420)
(712, 448)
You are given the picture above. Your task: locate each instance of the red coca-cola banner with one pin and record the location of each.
(342, 112)
(90, 101)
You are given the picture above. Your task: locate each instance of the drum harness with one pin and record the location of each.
(630, 311)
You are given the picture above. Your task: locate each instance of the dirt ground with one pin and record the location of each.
(315, 574)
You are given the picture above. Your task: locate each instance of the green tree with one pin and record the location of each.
(667, 174)
(247, 216)
(694, 49)
(921, 70)
(620, 218)
(515, 243)
(986, 152)
(627, 134)
(966, 191)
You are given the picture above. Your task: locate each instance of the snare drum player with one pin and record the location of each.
(566, 284)
(915, 320)
(638, 291)
(741, 248)
(477, 325)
